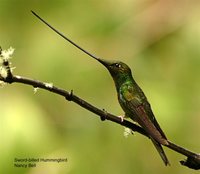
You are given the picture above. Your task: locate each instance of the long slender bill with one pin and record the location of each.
(66, 38)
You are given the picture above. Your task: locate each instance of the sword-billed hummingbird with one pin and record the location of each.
(130, 96)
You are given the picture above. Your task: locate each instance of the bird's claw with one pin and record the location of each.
(121, 117)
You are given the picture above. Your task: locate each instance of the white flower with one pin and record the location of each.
(6, 54)
(127, 132)
(4, 63)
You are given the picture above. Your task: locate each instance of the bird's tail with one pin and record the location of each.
(161, 152)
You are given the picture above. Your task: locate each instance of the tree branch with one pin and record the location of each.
(193, 159)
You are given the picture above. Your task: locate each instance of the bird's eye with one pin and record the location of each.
(117, 65)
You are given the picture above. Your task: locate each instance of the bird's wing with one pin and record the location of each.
(147, 108)
(152, 117)
(139, 111)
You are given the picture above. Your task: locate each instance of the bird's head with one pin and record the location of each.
(118, 70)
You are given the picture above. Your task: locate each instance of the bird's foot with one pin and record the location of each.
(121, 117)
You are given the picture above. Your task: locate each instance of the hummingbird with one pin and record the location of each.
(130, 96)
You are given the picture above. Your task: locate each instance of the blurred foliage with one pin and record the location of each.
(158, 39)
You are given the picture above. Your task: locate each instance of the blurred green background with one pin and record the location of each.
(158, 39)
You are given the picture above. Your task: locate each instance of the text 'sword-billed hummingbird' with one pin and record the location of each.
(131, 97)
